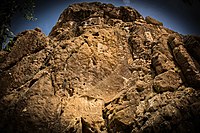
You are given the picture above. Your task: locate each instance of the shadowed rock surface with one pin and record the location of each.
(101, 69)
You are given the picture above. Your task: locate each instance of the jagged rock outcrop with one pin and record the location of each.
(101, 69)
(153, 21)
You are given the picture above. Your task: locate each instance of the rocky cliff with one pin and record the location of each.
(101, 69)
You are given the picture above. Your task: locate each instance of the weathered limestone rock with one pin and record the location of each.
(101, 69)
(189, 66)
(24, 61)
(192, 44)
(148, 37)
(161, 63)
(140, 85)
(28, 42)
(167, 81)
(3, 54)
(153, 21)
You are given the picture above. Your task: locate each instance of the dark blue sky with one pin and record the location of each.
(175, 14)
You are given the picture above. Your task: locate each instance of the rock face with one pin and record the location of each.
(101, 69)
(153, 21)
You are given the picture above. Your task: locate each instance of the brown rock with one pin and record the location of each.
(161, 63)
(27, 43)
(88, 12)
(102, 69)
(3, 55)
(140, 85)
(189, 66)
(192, 44)
(167, 81)
(87, 108)
(153, 21)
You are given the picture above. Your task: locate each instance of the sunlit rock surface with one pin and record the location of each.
(101, 69)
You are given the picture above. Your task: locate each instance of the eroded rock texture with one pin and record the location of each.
(101, 69)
